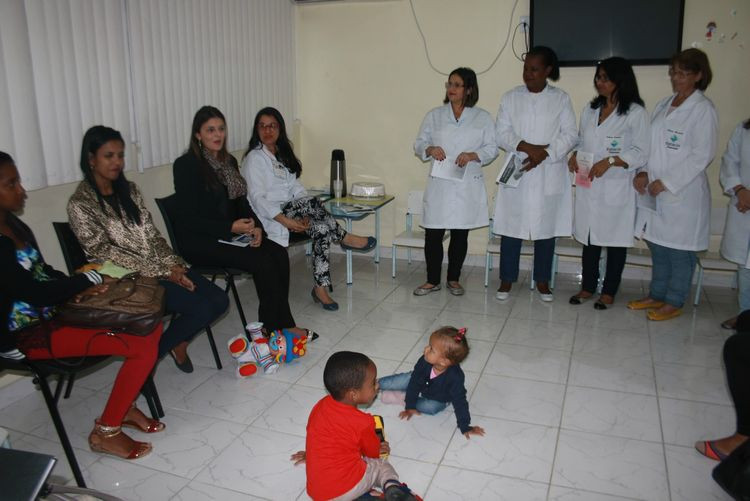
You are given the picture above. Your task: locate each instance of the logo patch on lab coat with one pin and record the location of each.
(614, 145)
(674, 139)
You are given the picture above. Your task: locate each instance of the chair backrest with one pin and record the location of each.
(718, 219)
(72, 251)
(414, 203)
(168, 208)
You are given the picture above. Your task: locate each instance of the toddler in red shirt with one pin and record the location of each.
(342, 451)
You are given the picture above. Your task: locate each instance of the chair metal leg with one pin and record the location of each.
(408, 255)
(211, 341)
(554, 271)
(69, 386)
(59, 387)
(487, 264)
(230, 280)
(60, 428)
(393, 261)
(698, 285)
(148, 390)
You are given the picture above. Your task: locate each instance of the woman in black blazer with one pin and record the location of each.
(212, 205)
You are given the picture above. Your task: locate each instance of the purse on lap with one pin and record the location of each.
(134, 304)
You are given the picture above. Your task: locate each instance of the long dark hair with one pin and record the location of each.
(471, 86)
(17, 227)
(550, 59)
(96, 137)
(746, 125)
(284, 148)
(202, 116)
(620, 72)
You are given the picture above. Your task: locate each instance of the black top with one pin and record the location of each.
(204, 213)
(447, 387)
(18, 284)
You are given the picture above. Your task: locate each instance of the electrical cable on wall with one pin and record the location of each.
(427, 52)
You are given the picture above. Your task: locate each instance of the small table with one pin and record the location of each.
(23, 474)
(341, 208)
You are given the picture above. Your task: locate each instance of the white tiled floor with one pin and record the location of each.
(577, 404)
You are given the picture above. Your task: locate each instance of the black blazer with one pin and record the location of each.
(204, 214)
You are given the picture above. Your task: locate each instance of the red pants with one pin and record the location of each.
(140, 357)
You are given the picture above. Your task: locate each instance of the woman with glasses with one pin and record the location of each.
(683, 142)
(272, 172)
(615, 130)
(535, 121)
(459, 139)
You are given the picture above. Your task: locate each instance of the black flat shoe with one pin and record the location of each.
(333, 306)
(578, 299)
(311, 335)
(598, 305)
(371, 243)
(186, 366)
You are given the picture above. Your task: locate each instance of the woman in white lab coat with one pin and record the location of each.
(282, 204)
(615, 130)
(683, 143)
(535, 120)
(735, 179)
(460, 137)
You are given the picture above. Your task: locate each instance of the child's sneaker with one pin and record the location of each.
(399, 492)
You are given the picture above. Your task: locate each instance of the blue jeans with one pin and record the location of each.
(743, 287)
(399, 382)
(672, 274)
(510, 257)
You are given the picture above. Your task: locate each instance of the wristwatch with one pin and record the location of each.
(611, 161)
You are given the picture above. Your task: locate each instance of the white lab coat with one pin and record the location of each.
(541, 206)
(457, 204)
(735, 169)
(605, 213)
(270, 186)
(683, 143)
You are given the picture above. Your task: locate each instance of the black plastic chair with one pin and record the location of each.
(168, 208)
(75, 257)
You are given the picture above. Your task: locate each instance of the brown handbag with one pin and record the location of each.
(134, 304)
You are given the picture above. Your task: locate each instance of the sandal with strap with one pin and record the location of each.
(710, 450)
(154, 425)
(98, 442)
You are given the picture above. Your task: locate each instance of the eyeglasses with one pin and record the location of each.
(271, 126)
(453, 85)
(679, 73)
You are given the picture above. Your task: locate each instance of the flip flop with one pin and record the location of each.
(710, 451)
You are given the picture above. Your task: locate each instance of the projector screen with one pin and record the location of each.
(583, 32)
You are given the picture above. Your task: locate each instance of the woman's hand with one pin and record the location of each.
(296, 225)
(435, 152)
(257, 234)
(474, 430)
(656, 187)
(640, 181)
(408, 413)
(573, 163)
(599, 168)
(466, 157)
(94, 290)
(177, 275)
(243, 226)
(743, 199)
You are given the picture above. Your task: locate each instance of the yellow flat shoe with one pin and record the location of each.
(656, 316)
(640, 304)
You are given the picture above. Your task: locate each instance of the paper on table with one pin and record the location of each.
(585, 161)
(512, 170)
(447, 169)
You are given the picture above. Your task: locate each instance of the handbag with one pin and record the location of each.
(733, 473)
(134, 304)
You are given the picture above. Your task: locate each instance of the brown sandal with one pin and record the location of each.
(154, 425)
(99, 442)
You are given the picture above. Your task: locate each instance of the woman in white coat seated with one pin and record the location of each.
(272, 172)
(535, 120)
(735, 179)
(615, 130)
(459, 136)
(683, 142)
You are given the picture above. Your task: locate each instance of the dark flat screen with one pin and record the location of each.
(583, 32)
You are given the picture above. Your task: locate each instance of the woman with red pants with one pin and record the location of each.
(29, 291)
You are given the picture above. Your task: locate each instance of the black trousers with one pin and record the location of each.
(269, 265)
(195, 309)
(737, 363)
(433, 253)
(615, 264)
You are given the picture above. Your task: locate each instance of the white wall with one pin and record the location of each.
(364, 84)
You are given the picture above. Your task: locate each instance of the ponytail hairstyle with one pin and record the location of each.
(285, 149)
(94, 138)
(550, 59)
(455, 343)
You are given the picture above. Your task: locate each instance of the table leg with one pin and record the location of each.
(349, 279)
(377, 235)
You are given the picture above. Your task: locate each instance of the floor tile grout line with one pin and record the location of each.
(658, 410)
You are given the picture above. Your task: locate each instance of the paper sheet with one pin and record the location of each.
(447, 169)
(585, 161)
(512, 170)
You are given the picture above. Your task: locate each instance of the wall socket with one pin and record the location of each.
(524, 22)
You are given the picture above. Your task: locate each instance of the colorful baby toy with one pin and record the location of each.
(282, 346)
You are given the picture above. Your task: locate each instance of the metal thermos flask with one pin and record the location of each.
(338, 169)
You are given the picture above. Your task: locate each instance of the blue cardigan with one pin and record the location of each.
(447, 387)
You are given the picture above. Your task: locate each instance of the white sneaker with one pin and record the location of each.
(502, 296)
(547, 298)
